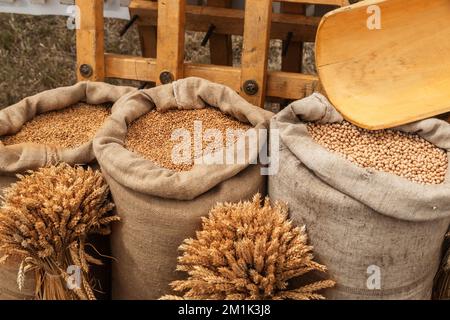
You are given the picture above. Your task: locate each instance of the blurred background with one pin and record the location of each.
(38, 53)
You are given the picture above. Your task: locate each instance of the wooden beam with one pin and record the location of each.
(220, 45)
(170, 46)
(231, 21)
(147, 37)
(339, 3)
(290, 85)
(279, 84)
(90, 40)
(225, 75)
(255, 48)
(130, 67)
(293, 59)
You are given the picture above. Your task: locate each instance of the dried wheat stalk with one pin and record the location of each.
(45, 220)
(248, 251)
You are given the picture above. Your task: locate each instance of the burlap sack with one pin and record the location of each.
(365, 225)
(160, 207)
(441, 290)
(19, 158)
(9, 289)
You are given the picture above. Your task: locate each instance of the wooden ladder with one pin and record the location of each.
(163, 60)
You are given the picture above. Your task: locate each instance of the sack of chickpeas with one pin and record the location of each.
(161, 200)
(46, 129)
(376, 203)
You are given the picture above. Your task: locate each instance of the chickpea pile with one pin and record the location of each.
(406, 155)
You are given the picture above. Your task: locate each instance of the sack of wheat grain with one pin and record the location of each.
(51, 127)
(377, 204)
(161, 202)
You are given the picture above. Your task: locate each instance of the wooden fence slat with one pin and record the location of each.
(90, 40)
(170, 40)
(279, 84)
(257, 30)
(130, 67)
(255, 49)
(220, 45)
(230, 21)
(324, 2)
(147, 37)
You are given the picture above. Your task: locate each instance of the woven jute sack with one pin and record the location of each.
(159, 207)
(380, 235)
(17, 159)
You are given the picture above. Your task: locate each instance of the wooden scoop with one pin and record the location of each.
(381, 78)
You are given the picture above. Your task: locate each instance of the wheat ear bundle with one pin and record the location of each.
(45, 219)
(247, 251)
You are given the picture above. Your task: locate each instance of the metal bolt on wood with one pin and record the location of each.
(251, 87)
(166, 77)
(86, 70)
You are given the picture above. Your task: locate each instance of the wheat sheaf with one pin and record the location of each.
(45, 220)
(248, 251)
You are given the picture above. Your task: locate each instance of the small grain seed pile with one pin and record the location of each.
(406, 155)
(442, 280)
(67, 128)
(151, 135)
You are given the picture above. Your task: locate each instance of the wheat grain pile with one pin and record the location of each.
(45, 220)
(247, 251)
(151, 135)
(406, 155)
(67, 128)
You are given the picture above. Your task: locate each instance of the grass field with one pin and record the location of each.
(38, 53)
